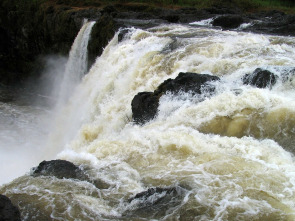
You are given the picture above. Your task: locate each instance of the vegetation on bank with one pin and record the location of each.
(245, 5)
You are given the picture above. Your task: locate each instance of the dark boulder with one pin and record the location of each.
(188, 82)
(60, 169)
(65, 169)
(145, 104)
(260, 78)
(144, 107)
(228, 21)
(155, 202)
(8, 212)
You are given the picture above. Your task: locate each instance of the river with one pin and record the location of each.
(229, 156)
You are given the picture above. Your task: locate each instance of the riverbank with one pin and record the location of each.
(32, 30)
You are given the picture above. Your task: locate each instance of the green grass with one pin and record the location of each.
(246, 5)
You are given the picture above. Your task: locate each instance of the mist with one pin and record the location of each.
(27, 120)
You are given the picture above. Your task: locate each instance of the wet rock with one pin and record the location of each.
(155, 202)
(143, 196)
(102, 32)
(272, 22)
(260, 78)
(122, 33)
(8, 212)
(228, 21)
(60, 169)
(188, 82)
(144, 107)
(65, 169)
(145, 104)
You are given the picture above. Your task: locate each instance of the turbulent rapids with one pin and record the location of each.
(227, 156)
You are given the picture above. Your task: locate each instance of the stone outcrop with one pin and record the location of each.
(187, 82)
(145, 104)
(260, 78)
(8, 211)
(102, 32)
(272, 22)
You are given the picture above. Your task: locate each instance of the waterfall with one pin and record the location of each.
(64, 129)
(76, 66)
(23, 129)
(227, 156)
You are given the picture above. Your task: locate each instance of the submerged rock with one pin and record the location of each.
(65, 169)
(145, 104)
(145, 195)
(8, 212)
(60, 169)
(260, 78)
(228, 21)
(155, 202)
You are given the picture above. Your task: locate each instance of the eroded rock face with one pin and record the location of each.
(8, 212)
(145, 104)
(102, 32)
(260, 78)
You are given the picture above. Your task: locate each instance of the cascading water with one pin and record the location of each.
(75, 69)
(228, 156)
(76, 66)
(24, 127)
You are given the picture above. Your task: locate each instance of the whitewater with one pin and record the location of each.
(229, 156)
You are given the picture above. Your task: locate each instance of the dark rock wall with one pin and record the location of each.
(102, 32)
(29, 29)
